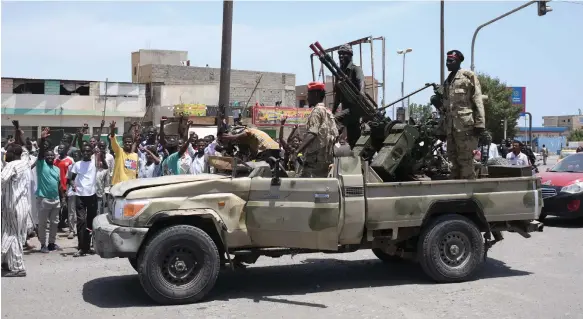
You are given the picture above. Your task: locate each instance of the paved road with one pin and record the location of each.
(541, 277)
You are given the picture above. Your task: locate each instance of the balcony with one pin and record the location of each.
(80, 105)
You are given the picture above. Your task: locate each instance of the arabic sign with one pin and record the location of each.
(271, 116)
(518, 97)
(190, 109)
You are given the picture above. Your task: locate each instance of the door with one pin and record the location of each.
(299, 213)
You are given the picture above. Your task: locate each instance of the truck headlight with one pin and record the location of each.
(125, 209)
(574, 188)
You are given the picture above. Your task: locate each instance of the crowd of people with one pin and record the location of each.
(49, 188)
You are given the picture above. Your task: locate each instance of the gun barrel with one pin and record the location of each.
(367, 105)
(406, 96)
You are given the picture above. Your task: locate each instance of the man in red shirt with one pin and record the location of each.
(63, 162)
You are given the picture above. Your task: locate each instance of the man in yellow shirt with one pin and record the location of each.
(125, 165)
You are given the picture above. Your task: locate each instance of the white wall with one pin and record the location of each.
(60, 121)
(71, 105)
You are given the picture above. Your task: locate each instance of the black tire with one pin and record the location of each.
(134, 262)
(386, 257)
(193, 251)
(437, 249)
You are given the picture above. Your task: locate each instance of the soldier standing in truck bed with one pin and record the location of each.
(464, 116)
(351, 114)
(321, 134)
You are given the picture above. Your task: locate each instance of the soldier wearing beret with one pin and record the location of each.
(351, 114)
(464, 115)
(320, 136)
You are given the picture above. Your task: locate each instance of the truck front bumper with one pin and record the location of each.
(110, 241)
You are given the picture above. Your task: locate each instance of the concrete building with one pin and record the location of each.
(174, 81)
(372, 88)
(545, 132)
(65, 105)
(571, 122)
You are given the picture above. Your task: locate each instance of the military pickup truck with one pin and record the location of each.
(179, 231)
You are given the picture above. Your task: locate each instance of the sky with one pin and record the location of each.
(94, 41)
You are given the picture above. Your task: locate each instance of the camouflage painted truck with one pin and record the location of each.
(179, 231)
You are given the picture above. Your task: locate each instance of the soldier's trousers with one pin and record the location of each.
(460, 146)
(311, 169)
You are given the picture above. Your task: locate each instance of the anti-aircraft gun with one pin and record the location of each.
(403, 150)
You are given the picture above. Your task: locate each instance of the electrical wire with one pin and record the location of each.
(572, 2)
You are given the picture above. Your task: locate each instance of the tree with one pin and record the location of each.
(420, 112)
(576, 136)
(498, 107)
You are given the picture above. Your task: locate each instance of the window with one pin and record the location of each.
(135, 70)
(302, 103)
(29, 132)
(283, 79)
(28, 87)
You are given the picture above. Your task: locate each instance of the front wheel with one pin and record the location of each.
(134, 262)
(180, 265)
(451, 249)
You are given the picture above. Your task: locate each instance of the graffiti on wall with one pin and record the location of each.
(190, 109)
(270, 116)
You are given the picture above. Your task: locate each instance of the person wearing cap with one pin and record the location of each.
(464, 116)
(320, 136)
(351, 114)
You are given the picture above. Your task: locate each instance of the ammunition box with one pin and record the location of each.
(503, 171)
(399, 143)
(362, 143)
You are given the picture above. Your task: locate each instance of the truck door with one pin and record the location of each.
(298, 213)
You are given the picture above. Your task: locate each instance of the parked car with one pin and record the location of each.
(562, 188)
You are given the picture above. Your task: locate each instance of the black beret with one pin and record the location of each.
(456, 53)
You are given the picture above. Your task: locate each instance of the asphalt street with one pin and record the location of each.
(540, 277)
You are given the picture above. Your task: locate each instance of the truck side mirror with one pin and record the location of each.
(548, 169)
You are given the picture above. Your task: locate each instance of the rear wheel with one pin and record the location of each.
(179, 265)
(451, 249)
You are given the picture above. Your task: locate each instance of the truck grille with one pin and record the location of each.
(354, 191)
(548, 192)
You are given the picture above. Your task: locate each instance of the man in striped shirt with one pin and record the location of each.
(15, 212)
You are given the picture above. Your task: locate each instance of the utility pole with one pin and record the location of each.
(442, 41)
(225, 84)
(404, 53)
(542, 10)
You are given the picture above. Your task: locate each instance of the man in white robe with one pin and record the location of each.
(15, 179)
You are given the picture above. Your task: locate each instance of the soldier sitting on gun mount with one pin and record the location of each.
(262, 146)
(464, 116)
(351, 114)
(320, 136)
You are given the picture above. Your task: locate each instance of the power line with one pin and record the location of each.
(571, 2)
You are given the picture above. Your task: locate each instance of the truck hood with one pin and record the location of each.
(121, 189)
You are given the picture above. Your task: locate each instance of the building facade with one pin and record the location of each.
(178, 85)
(65, 105)
(571, 122)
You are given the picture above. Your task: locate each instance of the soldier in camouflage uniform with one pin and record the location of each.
(321, 135)
(464, 116)
(351, 114)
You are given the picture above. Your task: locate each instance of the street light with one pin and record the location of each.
(404, 53)
(542, 10)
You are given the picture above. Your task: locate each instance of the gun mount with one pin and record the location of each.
(403, 150)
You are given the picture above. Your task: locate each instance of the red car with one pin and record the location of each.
(562, 188)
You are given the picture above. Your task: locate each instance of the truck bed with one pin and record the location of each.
(405, 204)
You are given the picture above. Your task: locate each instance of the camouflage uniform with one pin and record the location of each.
(318, 154)
(464, 111)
